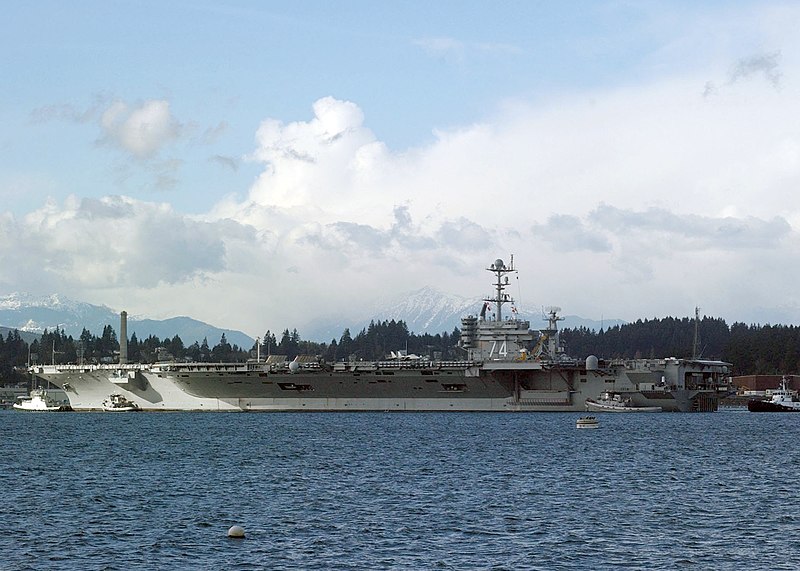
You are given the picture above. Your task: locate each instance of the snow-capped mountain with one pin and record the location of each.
(34, 314)
(429, 310)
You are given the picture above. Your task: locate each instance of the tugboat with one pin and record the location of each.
(783, 400)
(118, 403)
(40, 401)
(614, 402)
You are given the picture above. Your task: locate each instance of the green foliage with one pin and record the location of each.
(753, 349)
(13, 356)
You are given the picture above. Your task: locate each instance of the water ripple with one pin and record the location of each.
(396, 491)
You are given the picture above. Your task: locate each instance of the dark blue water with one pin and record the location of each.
(398, 491)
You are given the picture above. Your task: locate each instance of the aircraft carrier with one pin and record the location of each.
(506, 367)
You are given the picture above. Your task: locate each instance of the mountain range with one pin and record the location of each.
(426, 310)
(31, 315)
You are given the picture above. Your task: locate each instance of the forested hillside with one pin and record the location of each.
(753, 349)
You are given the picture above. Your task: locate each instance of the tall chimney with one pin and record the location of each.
(123, 337)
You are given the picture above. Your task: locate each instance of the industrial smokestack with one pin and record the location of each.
(123, 337)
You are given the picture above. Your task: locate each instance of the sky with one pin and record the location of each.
(260, 165)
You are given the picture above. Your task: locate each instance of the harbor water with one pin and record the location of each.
(398, 491)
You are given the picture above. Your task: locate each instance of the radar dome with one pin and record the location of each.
(591, 363)
(498, 263)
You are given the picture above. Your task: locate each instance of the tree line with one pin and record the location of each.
(752, 349)
(375, 341)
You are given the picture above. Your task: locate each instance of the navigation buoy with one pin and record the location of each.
(236, 532)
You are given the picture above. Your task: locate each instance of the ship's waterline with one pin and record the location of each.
(507, 367)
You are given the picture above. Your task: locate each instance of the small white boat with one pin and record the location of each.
(587, 422)
(40, 401)
(613, 402)
(118, 403)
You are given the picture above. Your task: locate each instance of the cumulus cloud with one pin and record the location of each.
(652, 195)
(146, 134)
(634, 187)
(325, 161)
(118, 242)
(142, 130)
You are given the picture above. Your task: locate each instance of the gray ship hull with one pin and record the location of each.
(386, 386)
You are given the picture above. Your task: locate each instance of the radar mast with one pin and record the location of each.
(500, 270)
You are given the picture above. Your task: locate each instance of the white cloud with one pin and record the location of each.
(651, 190)
(116, 242)
(319, 161)
(669, 232)
(643, 199)
(142, 130)
(651, 195)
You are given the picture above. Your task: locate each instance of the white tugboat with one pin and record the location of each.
(118, 403)
(40, 401)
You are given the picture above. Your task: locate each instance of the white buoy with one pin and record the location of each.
(236, 532)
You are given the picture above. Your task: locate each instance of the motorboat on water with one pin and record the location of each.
(118, 403)
(587, 422)
(615, 402)
(40, 401)
(783, 399)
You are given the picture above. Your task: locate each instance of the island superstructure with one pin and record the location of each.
(506, 367)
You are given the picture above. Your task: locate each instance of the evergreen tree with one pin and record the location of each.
(331, 352)
(134, 352)
(222, 351)
(176, 348)
(346, 345)
(193, 352)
